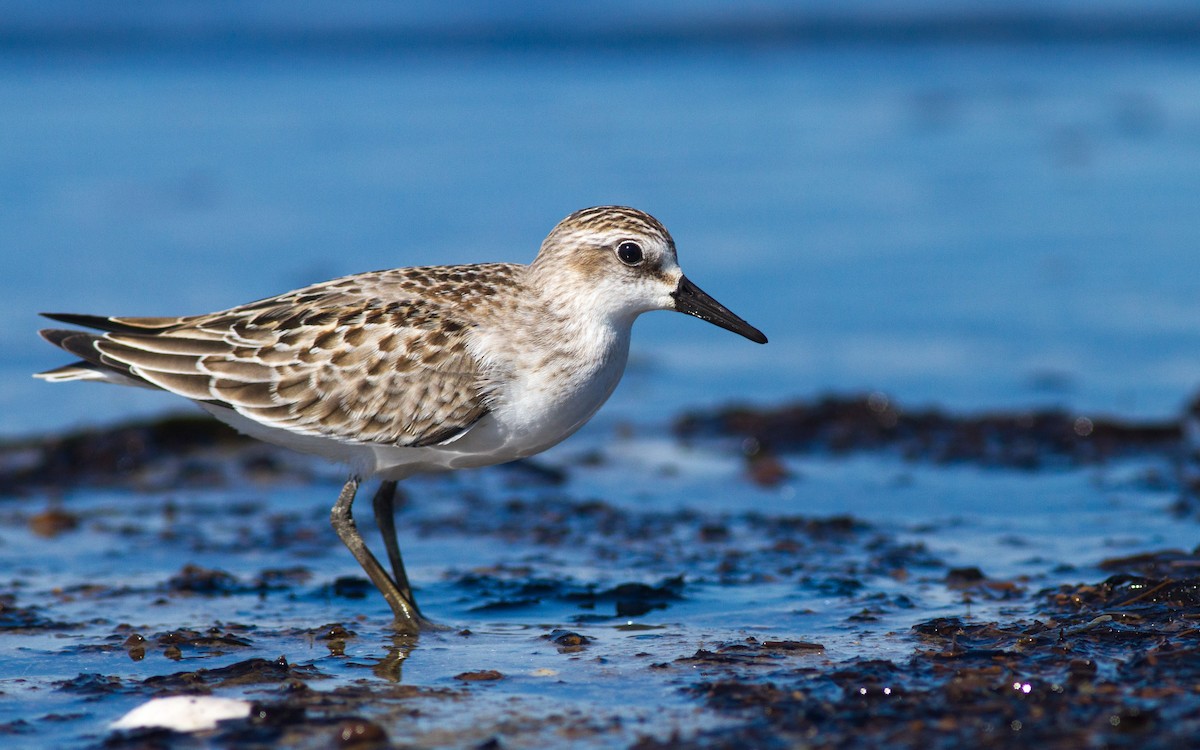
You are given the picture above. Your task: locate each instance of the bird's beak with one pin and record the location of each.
(692, 300)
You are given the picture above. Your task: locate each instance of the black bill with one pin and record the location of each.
(692, 300)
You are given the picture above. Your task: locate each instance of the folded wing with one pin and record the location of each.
(356, 369)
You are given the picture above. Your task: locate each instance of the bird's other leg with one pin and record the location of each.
(385, 518)
(408, 620)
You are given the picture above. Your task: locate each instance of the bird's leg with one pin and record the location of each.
(408, 619)
(385, 518)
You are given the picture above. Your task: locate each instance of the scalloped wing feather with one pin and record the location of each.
(335, 360)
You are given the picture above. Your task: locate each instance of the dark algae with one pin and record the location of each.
(1108, 664)
(847, 424)
(580, 620)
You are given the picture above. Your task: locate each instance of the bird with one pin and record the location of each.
(412, 370)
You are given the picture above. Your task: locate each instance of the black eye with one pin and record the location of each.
(630, 253)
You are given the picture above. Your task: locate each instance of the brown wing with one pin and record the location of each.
(318, 362)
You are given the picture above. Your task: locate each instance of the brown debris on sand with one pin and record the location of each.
(846, 424)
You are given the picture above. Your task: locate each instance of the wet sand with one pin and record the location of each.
(174, 557)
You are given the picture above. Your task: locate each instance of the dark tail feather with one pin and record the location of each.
(79, 343)
(116, 325)
(83, 345)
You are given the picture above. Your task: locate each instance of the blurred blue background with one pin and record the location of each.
(978, 205)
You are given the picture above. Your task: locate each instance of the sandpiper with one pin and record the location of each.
(411, 370)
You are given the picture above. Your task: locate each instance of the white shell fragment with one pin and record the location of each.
(183, 713)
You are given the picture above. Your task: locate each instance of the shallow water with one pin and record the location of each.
(662, 575)
(972, 225)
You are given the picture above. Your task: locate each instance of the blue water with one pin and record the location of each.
(977, 227)
(954, 219)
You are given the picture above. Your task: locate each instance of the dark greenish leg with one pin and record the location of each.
(385, 518)
(408, 619)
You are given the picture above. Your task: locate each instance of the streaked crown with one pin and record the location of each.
(608, 219)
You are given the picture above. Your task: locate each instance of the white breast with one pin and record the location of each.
(540, 396)
(543, 406)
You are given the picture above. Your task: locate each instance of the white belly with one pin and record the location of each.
(531, 412)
